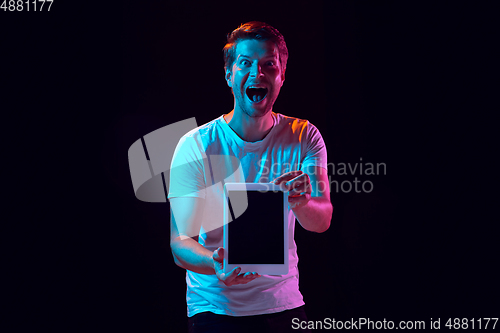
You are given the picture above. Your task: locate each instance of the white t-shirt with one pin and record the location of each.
(212, 154)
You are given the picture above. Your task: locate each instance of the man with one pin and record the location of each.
(249, 144)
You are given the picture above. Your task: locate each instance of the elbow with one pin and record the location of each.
(326, 227)
(326, 224)
(176, 259)
(321, 222)
(323, 227)
(318, 227)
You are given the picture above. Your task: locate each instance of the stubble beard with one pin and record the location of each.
(256, 114)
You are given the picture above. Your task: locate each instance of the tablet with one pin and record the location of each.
(256, 228)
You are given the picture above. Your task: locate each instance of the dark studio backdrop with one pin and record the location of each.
(408, 85)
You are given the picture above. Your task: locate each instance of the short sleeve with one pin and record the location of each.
(187, 171)
(315, 149)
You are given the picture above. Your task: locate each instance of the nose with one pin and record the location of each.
(256, 70)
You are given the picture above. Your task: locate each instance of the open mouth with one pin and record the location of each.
(256, 94)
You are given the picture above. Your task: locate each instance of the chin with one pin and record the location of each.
(257, 113)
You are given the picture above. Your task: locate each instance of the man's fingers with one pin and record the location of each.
(298, 184)
(250, 275)
(229, 278)
(299, 198)
(302, 178)
(240, 278)
(301, 185)
(287, 176)
(245, 278)
(301, 188)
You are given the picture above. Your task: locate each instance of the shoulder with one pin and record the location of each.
(203, 130)
(297, 126)
(203, 135)
(191, 148)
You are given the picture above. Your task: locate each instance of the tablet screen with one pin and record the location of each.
(257, 236)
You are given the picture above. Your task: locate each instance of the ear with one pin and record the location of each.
(228, 77)
(282, 78)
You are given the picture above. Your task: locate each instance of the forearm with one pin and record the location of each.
(315, 215)
(191, 255)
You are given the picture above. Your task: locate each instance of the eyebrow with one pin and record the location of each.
(270, 56)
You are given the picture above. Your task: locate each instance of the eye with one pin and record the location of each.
(244, 62)
(270, 63)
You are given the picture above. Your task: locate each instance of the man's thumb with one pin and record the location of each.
(219, 254)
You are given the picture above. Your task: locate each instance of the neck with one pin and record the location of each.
(250, 129)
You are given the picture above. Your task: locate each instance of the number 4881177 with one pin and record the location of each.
(20, 5)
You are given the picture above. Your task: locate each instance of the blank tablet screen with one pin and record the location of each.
(256, 237)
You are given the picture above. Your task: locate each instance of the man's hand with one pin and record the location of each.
(308, 196)
(233, 277)
(298, 185)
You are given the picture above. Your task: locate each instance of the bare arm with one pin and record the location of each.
(309, 197)
(186, 217)
(185, 225)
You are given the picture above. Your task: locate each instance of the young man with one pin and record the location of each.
(249, 144)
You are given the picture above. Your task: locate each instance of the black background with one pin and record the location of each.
(406, 84)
